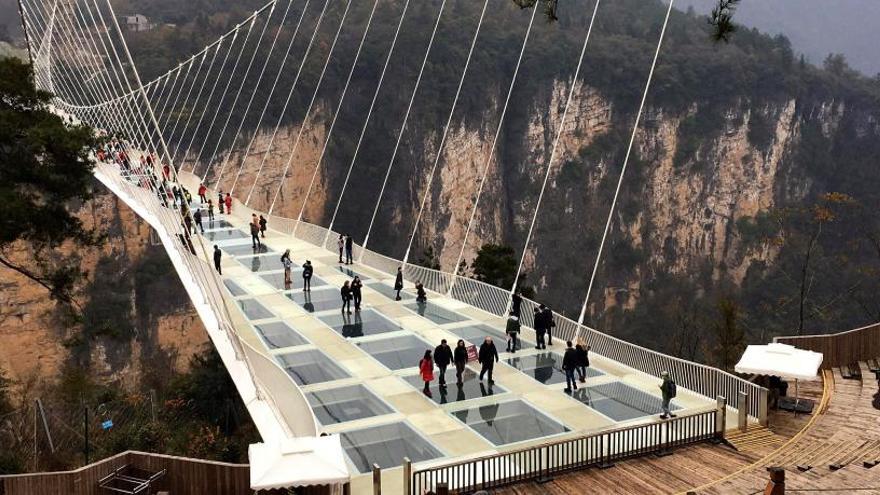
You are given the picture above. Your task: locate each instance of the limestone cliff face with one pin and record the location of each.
(165, 332)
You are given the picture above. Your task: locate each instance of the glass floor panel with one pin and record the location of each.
(620, 402)
(476, 334)
(240, 249)
(359, 323)
(546, 367)
(351, 273)
(472, 388)
(216, 224)
(388, 291)
(312, 366)
(386, 445)
(398, 352)
(276, 280)
(226, 234)
(263, 263)
(343, 404)
(234, 288)
(435, 313)
(509, 422)
(279, 334)
(318, 300)
(253, 309)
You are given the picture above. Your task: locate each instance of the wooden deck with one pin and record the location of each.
(741, 468)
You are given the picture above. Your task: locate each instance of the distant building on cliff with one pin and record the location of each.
(136, 23)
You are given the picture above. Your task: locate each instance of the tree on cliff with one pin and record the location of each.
(44, 168)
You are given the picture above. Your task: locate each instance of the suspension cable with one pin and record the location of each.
(629, 148)
(467, 64)
(366, 122)
(492, 148)
(403, 126)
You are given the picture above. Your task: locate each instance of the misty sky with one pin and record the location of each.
(815, 27)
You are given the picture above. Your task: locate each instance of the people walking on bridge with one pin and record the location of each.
(356, 286)
(186, 195)
(308, 270)
(340, 244)
(421, 295)
(540, 328)
(549, 323)
(442, 356)
(202, 191)
(263, 226)
(516, 303)
(217, 255)
(220, 201)
(487, 357)
(349, 248)
(460, 358)
(288, 264)
(228, 203)
(426, 370)
(569, 363)
(668, 391)
(210, 211)
(398, 282)
(345, 292)
(187, 222)
(255, 231)
(512, 331)
(583, 361)
(197, 216)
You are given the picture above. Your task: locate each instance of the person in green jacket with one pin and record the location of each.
(668, 389)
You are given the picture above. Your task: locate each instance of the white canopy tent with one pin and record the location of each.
(291, 462)
(782, 360)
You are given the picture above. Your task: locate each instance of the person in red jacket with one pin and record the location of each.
(202, 191)
(426, 370)
(228, 203)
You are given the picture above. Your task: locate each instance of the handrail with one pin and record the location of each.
(842, 348)
(550, 458)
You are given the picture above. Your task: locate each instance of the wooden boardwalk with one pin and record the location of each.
(844, 429)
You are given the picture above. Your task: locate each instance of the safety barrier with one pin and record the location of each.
(553, 458)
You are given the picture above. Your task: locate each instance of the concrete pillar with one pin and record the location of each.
(743, 410)
(721, 417)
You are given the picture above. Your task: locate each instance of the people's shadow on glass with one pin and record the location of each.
(255, 264)
(352, 328)
(307, 302)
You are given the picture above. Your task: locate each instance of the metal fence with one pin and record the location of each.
(553, 458)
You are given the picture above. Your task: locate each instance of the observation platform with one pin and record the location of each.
(358, 373)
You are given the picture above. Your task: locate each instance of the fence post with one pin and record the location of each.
(377, 479)
(407, 476)
(720, 418)
(743, 411)
(442, 488)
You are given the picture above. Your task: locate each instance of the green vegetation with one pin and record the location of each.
(44, 167)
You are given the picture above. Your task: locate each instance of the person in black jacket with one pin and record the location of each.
(549, 323)
(569, 363)
(349, 247)
(398, 282)
(345, 292)
(263, 223)
(356, 286)
(487, 357)
(515, 304)
(460, 358)
(583, 361)
(442, 358)
(421, 295)
(217, 255)
(308, 270)
(540, 329)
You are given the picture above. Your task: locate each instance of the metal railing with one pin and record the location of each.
(553, 458)
(842, 348)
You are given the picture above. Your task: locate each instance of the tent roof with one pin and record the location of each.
(780, 360)
(295, 462)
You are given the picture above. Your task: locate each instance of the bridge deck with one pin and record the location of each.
(360, 374)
